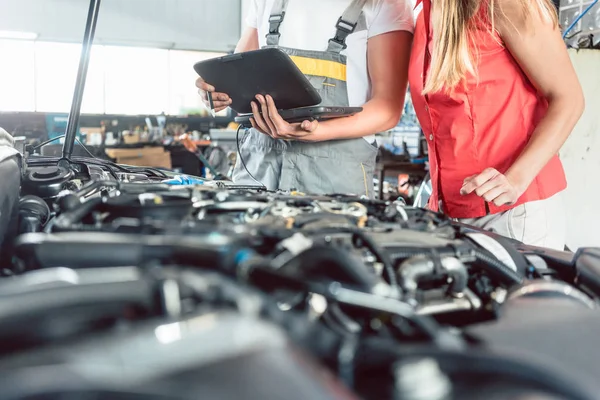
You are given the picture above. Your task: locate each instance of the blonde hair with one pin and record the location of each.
(453, 21)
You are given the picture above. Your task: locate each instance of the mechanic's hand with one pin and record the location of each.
(493, 187)
(271, 123)
(220, 100)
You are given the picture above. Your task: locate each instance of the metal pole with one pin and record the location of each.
(86, 48)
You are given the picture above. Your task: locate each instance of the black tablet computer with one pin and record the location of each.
(266, 71)
(306, 113)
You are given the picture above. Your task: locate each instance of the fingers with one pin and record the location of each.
(220, 100)
(274, 116)
(506, 199)
(200, 84)
(309, 126)
(492, 186)
(259, 121)
(472, 184)
(493, 194)
(493, 183)
(266, 117)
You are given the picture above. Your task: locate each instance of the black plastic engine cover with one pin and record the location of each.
(553, 331)
(217, 355)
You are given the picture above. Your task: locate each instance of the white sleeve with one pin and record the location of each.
(392, 15)
(252, 14)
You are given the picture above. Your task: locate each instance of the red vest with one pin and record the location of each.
(485, 124)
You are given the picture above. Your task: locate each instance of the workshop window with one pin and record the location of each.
(40, 76)
(17, 76)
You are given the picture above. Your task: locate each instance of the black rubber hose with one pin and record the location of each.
(33, 214)
(67, 221)
(497, 269)
(268, 279)
(325, 262)
(382, 256)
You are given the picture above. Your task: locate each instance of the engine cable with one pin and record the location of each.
(237, 141)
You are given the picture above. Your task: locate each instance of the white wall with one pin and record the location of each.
(581, 158)
(210, 25)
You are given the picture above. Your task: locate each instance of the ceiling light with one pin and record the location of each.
(18, 35)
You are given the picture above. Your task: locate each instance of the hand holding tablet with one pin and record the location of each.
(213, 100)
(266, 119)
(237, 79)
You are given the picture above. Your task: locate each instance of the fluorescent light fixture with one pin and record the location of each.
(18, 35)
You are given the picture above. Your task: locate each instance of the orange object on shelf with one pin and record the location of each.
(189, 143)
(402, 184)
(192, 145)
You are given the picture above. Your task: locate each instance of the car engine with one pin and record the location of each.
(129, 282)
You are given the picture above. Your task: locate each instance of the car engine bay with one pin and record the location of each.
(123, 282)
(129, 282)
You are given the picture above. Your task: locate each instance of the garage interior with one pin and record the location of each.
(140, 68)
(141, 111)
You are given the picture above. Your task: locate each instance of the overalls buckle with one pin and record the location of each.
(275, 22)
(344, 29)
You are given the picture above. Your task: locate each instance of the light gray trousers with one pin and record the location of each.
(538, 223)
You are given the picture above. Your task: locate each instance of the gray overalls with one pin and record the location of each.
(332, 167)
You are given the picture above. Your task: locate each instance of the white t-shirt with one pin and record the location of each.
(309, 24)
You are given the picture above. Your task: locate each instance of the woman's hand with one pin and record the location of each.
(268, 121)
(493, 187)
(220, 100)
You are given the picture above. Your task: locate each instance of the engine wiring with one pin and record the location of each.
(54, 139)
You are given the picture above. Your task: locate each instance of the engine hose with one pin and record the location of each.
(267, 278)
(320, 262)
(490, 264)
(497, 269)
(382, 257)
(67, 220)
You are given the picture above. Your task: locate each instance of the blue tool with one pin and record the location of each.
(184, 180)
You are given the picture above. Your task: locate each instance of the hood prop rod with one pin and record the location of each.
(84, 60)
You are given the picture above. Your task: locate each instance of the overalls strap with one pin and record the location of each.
(275, 21)
(345, 25)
